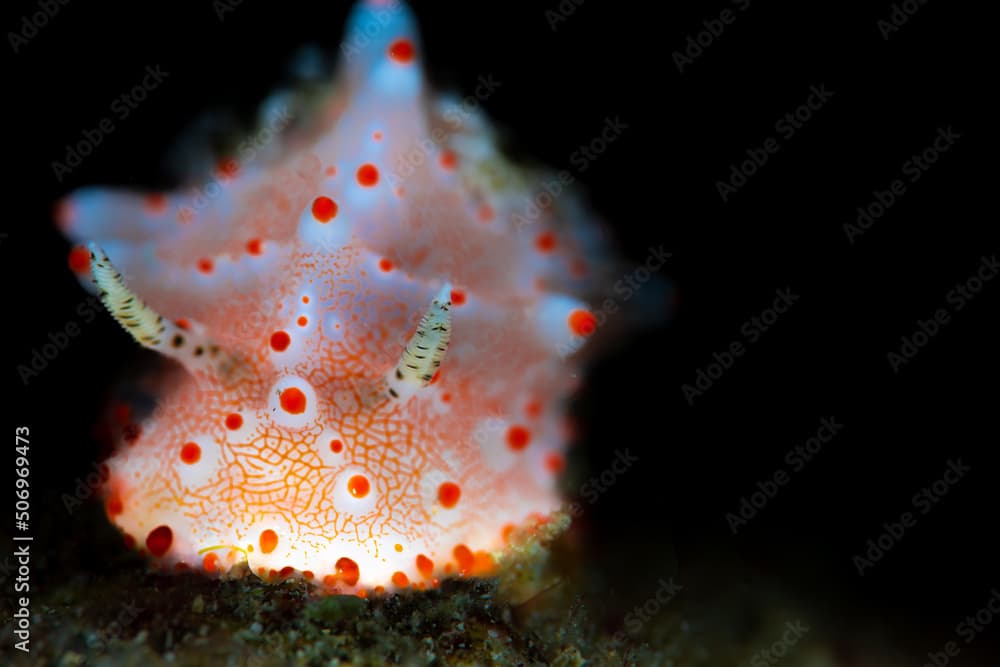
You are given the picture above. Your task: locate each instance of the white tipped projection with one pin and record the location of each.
(425, 350)
(150, 329)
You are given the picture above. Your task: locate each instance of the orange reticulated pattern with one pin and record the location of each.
(310, 263)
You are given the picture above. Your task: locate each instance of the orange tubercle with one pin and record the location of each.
(268, 541)
(402, 51)
(359, 486)
(448, 494)
(582, 322)
(367, 175)
(293, 401)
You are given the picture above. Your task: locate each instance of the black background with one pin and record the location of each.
(655, 185)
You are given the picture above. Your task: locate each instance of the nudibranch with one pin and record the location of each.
(373, 325)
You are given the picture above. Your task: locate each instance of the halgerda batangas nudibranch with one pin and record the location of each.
(374, 324)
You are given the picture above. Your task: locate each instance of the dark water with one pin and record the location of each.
(835, 439)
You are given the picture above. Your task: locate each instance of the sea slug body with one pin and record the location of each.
(371, 352)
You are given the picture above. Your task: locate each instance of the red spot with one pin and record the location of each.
(401, 51)
(181, 566)
(425, 566)
(79, 259)
(183, 324)
(385, 264)
(377, 136)
(448, 159)
(210, 562)
(358, 486)
(159, 540)
(483, 564)
(448, 494)
(268, 541)
(255, 246)
(546, 242)
(293, 401)
(485, 213)
(555, 463)
(457, 297)
(233, 421)
(286, 571)
(331, 171)
(347, 571)
(435, 377)
(336, 446)
(400, 579)
(280, 340)
(305, 299)
(533, 409)
(518, 437)
(446, 397)
(465, 559)
(115, 506)
(324, 209)
(190, 453)
(64, 214)
(302, 321)
(129, 541)
(582, 322)
(228, 168)
(156, 202)
(123, 413)
(507, 533)
(205, 265)
(367, 175)
(307, 574)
